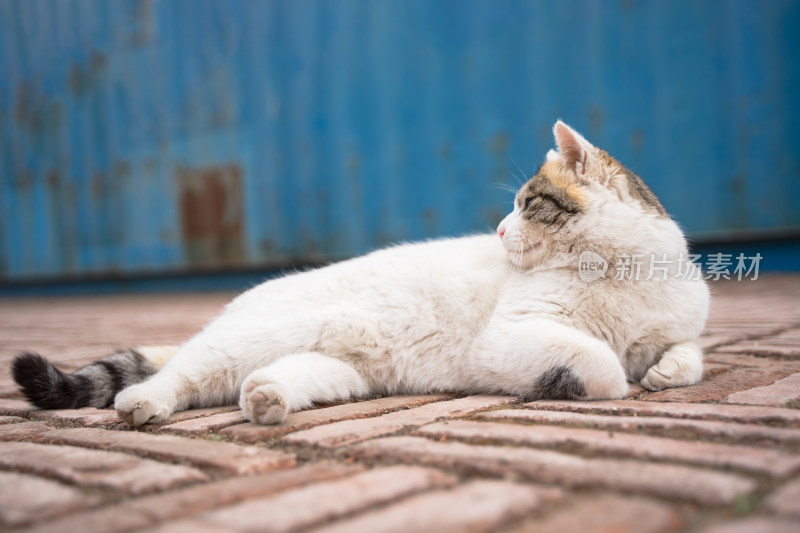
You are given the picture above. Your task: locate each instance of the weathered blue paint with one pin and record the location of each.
(353, 124)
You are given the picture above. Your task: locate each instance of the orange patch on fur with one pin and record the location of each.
(560, 177)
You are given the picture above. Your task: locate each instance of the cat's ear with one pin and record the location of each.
(576, 152)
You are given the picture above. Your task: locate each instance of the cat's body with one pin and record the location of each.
(469, 315)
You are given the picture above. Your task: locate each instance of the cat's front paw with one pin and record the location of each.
(680, 366)
(137, 405)
(655, 380)
(263, 404)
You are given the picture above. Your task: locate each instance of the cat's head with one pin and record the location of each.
(581, 196)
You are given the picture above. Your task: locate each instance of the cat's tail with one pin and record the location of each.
(94, 385)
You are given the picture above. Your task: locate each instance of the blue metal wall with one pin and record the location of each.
(163, 136)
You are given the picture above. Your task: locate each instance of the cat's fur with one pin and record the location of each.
(468, 315)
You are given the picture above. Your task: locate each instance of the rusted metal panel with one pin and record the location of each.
(211, 215)
(342, 126)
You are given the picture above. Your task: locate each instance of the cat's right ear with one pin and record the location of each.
(576, 152)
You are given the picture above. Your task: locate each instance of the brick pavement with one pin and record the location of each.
(721, 456)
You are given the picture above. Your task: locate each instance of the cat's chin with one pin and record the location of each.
(533, 248)
(528, 256)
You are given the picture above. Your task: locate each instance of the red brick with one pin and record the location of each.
(709, 342)
(700, 411)
(672, 481)
(737, 359)
(110, 519)
(149, 511)
(25, 499)
(741, 330)
(15, 407)
(779, 393)
(634, 390)
(718, 387)
(761, 461)
(785, 500)
(8, 388)
(250, 433)
(786, 344)
(322, 502)
(204, 425)
(789, 336)
(187, 526)
(348, 432)
(24, 430)
(478, 506)
(193, 414)
(224, 456)
(610, 514)
(10, 420)
(88, 416)
(711, 370)
(757, 525)
(69, 330)
(712, 428)
(96, 468)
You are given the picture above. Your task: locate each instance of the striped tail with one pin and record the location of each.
(94, 385)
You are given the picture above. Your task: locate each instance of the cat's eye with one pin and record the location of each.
(529, 201)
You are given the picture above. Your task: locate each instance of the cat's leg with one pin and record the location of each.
(681, 365)
(176, 389)
(539, 359)
(196, 376)
(295, 382)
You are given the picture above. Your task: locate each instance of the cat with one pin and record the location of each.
(506, 313)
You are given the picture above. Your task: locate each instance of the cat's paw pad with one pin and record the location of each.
(264, 404)
(135, 407)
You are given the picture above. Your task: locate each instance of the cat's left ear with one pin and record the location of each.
(577, 153)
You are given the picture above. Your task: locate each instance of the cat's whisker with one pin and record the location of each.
(505, 187)
(515, 176)
(522, 172)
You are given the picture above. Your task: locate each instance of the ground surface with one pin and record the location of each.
(721, 456)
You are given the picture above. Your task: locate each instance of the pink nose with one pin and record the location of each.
(501, 231)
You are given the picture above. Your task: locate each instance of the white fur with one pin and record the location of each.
(473, 315)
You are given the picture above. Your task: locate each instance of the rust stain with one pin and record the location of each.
(268, 247)
(597, 119)
(493, 216)
(84, 77)
(99, 187)
(445, 150)
(24, 180)
(354, 164)
(738, 183)
(98, 61)
(637, 140)
(77, 79)
(211, 214)
(430, 219)
(22, 104)
(498, 144)
(35, 114)
(52, 179)
(144, 23)
(121, 169)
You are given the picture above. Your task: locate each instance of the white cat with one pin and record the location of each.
(506, 313)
